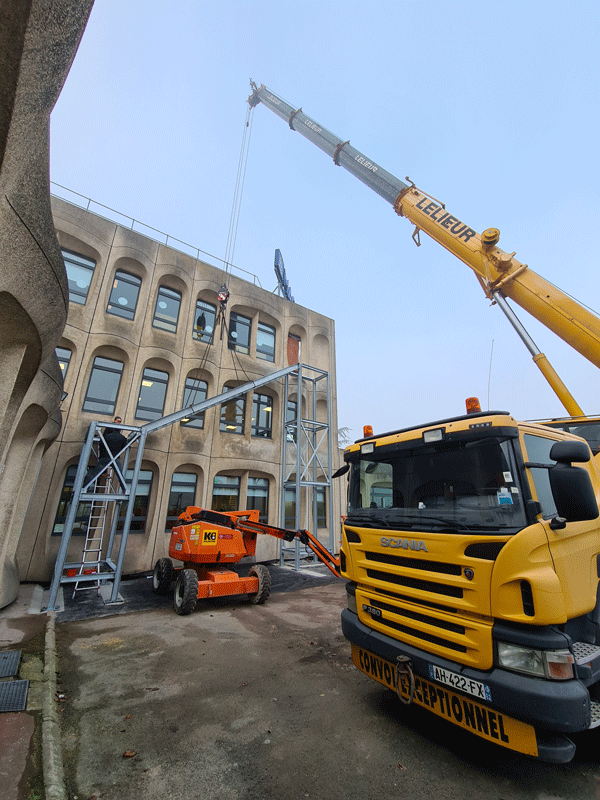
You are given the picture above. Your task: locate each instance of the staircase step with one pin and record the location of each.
(595, 708)
(585, 653)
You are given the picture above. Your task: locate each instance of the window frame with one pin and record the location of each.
(68, 256)
(263, 508)
(201, 306)
(110, 405)
(239, 425)
(245, 323)
(195, 420)
(141, 519)
(321, 500)
(291, 428)
(264, 328)
(65, 359)
(151, 413)
(233, 481)
(172, 519)
(113, 306)
(65, 499)
(262, 403)
(167, 326)
(289, 500)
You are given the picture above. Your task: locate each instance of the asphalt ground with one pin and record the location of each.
(240, 702)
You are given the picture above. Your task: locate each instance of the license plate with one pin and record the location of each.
(462, 711)
(460, 682)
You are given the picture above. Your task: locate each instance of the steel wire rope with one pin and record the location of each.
(229, 247)
(228, 260)
(238, 191)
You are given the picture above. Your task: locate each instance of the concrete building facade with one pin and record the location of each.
(143, 339)
(38, 41)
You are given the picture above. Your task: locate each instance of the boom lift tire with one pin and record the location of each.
(162, 577)
(264, 584)
(186, 592)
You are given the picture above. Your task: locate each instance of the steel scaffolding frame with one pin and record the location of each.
(309, 465)
(112, 479)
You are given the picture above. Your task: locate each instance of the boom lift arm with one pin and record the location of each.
(499, 273)
(241, 521)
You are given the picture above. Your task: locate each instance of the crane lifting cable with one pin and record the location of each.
(223, 295)
(238, 192)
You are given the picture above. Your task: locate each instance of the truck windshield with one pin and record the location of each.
(447, 486)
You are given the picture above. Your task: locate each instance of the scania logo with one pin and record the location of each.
(407, 544)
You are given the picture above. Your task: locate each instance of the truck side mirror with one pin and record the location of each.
(568, 451)
(571, 487)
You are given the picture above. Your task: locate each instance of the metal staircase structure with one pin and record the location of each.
(108, 498)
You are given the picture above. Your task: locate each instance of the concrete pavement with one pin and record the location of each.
(31, 750)
(239, 702)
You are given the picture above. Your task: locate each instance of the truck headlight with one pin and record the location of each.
(551, 664)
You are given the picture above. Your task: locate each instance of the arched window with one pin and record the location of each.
(182, 495)
(124, 295)
(204, 322)
(80, 271)
(103, 386)
(166, 311)
(194, 392)
(153, 391)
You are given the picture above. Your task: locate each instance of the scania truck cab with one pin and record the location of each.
(472, 553)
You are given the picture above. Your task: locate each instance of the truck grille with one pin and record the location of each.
(431, 622)
(416, 583)
(441, 606)
(414, 563)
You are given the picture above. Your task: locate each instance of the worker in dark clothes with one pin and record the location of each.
(115, 442)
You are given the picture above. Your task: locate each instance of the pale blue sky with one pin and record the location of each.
(491, 107)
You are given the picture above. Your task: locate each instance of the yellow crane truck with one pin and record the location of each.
(472, 553)
(471, 545)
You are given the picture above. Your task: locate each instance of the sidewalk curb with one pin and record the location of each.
(54, 780)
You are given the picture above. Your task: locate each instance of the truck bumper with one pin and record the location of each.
(552, 708)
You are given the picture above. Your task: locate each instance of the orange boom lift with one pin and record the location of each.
(208, 542)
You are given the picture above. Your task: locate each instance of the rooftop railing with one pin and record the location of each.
(110, 214)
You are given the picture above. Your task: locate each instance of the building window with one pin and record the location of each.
(64, 359)
(79, 275)
(239, 333)
(103, 386)
(290, 507)
(153, 390)
(183, 494)
(204, 322)
(124, 295)
(83, 509)
(258, 497)
(291, 433)
(166, 311)
(321, 506)
(226, 493)
(139, 517)
(194, 392)
(233, 413)
(294, 346)
(265, 342)
(262, 415)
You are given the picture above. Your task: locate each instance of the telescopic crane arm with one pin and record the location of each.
(499, 273)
